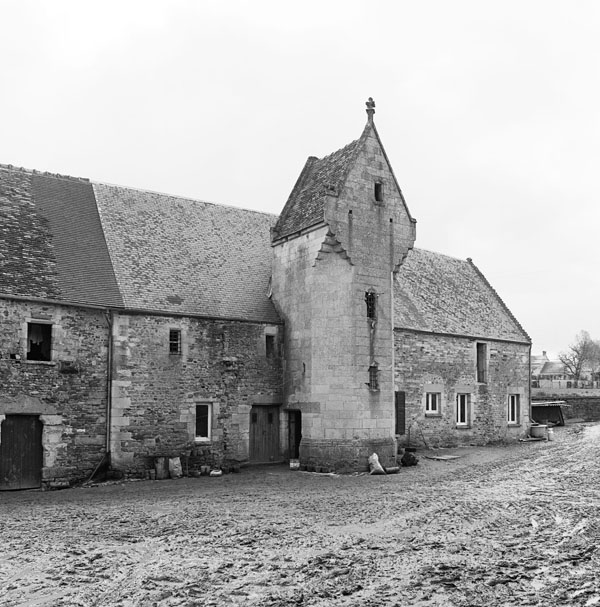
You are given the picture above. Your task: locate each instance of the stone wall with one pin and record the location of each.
(320, 279)
(223, 364)
(447, 365)
(69, 392)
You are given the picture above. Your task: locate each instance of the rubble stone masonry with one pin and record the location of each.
(68, 393)
(446, 365)
(155, 392)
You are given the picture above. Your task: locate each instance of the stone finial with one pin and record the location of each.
(370, 108)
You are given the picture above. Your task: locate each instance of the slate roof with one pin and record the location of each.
(554, 367)
(305, 205)
(174, 254)
(72, 241)
(52, 245)
(440, 294)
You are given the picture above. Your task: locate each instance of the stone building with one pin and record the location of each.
(136, 324)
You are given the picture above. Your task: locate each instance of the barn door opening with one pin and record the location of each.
(294, 433)
(21, 456)
(264, 434)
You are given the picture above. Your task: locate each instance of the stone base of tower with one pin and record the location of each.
(346, 455)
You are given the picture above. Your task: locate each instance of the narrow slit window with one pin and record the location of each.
(174, 341)
(39, 341)
(270, 346)
(371, 301)
(378, 191)
(373, 377)
(463, 414)
(514, 414)
(482, 363)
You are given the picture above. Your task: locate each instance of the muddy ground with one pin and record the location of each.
(514, 525)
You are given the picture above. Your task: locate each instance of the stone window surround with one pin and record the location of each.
(468, 391)
(520, 392)
(56, 331)
(190, 417)
(183, 344)
(434, 388)
(482, 346)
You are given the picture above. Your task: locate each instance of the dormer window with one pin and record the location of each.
(378, 191)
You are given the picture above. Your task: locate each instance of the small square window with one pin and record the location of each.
(433, 403)
(203, 421)
(378, 191)
(174, 341)
(514, 409)
(39, 341)
(463, 410)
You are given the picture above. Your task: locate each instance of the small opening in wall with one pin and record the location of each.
(371, 301)
(203, 421)
(350, 212)
(373, 377)
(174, 341)
(270, 346)
(378, 192)
(391, 220)
(39, 341)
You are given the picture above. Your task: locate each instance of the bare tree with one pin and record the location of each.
(582, 355)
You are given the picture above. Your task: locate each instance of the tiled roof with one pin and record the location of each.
(178, 255)
(85, 272)
(441, 294)
(69, 240)
(305, 206)
(554, 367)
(52, 244)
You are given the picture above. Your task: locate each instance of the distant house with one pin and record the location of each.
(137, 325)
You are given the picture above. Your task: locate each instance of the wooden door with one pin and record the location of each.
(264, 434)
(400, 405)
(21, 456)
(294, 433)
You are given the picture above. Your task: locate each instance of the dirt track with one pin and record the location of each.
(499, 526)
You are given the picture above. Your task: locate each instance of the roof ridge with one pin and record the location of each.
(12, 167)
(441, 254)
(180, 197)
(506, 308)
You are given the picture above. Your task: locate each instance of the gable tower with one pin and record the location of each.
(341, 236)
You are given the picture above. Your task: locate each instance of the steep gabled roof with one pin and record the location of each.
(440, 294)
(305, 205)
(52, 244)
(68, 240)
(178, 255)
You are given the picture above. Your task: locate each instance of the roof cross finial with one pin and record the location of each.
(370, 108)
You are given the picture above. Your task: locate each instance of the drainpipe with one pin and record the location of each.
(109, 378)
(529, 384)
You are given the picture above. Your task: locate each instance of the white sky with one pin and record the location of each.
(489, 113)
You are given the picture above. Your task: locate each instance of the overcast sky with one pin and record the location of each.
(489, 113)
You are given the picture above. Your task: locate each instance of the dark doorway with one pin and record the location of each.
(294, 433)
(400, 405)
(21, 457)
(264, 434)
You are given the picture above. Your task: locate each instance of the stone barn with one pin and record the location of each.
(137, 325)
